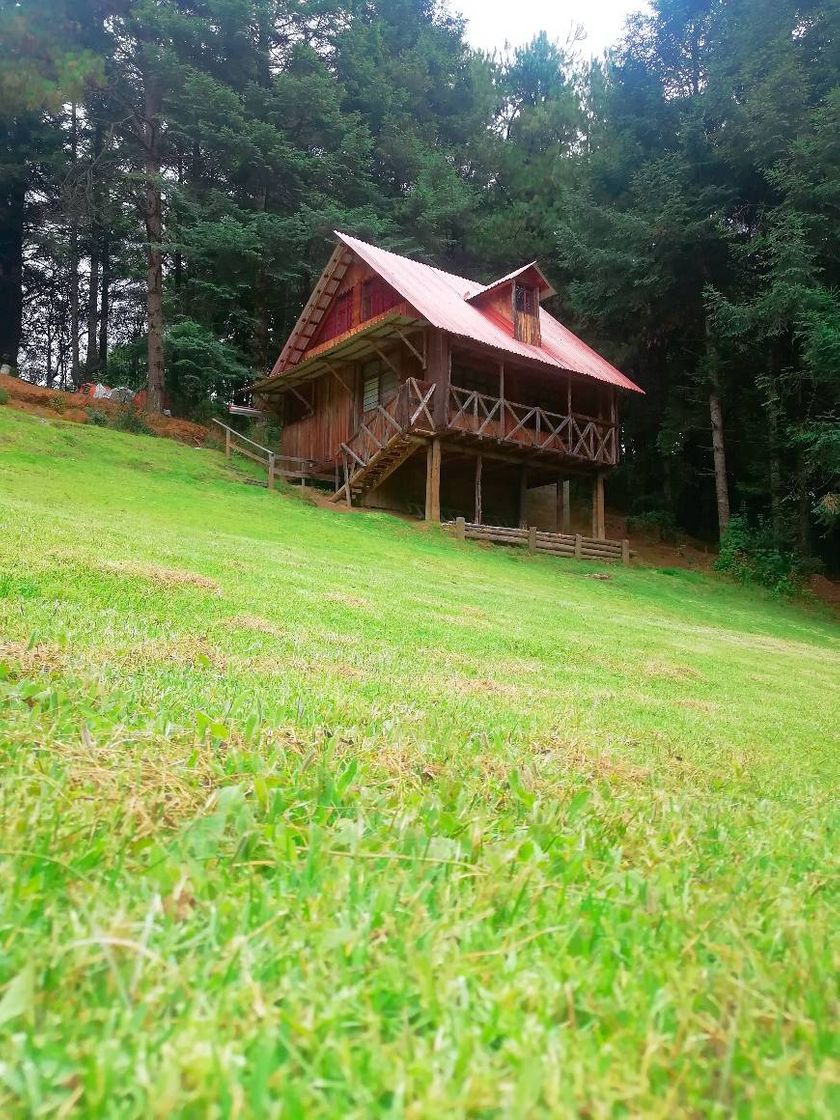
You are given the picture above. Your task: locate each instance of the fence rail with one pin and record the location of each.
(288, 466)
(555, 544)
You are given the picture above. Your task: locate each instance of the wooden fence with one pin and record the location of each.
(555, 544)
(287, 466)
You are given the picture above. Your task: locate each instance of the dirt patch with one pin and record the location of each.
(594, 764)
(169, 577)
(827, 590)
(661, 670)
(699, 705)
(53, 404)
(255, 623)
(190, 652)
(471, 686)
(26, 661)
(346, 600)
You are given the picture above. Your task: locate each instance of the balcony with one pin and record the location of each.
(476, 416)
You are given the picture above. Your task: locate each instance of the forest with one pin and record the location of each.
(171, 172)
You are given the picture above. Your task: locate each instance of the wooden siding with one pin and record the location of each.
(349, 309)
(333, 420)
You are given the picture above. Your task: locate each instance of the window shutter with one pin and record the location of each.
(370, 397)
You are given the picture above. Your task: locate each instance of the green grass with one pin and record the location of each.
(307, 814)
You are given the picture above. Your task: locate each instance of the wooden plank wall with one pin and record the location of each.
(333, 421)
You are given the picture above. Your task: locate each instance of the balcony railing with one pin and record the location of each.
(525, 425)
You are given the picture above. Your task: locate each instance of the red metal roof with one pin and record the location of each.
(545, 288)
(441, 298)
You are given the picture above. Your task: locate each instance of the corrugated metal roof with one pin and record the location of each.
(441, 298)
(545, 288)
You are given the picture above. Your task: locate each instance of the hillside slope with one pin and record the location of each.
(315, 815)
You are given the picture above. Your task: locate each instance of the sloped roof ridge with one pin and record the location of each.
(355, 242)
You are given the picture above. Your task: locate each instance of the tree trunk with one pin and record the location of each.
(92, 351)
(803, 504)
(153, 215)
(75, 370)
(12, 199)
(104, 302)
(49, 350)
(96, 225)
(775, 461)
(719, 451)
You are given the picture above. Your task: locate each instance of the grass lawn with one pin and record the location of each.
(307, 814)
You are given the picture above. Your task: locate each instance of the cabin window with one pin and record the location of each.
(379, 385)
(525, 300)
(377, 298)
(526, 315)
(339, 317)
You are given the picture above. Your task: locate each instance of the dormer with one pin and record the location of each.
(515, 300)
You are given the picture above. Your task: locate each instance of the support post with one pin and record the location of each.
(437, 370)
(227, 443)
(578, 546)
(271, 467)
(433, 481)
(478, 468)
(564, 514)
(348, 494)
(625, 551)
(523, 498)
(502, 400)
(532, 539)
(599, 528)
(460, 529)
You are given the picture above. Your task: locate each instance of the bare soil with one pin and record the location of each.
(51, 403)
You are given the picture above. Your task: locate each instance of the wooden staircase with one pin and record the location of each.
(387, 437)
(380, 466)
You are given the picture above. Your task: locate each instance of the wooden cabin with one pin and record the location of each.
(410, 388)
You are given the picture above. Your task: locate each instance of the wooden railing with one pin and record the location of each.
(409, 410)
(289, 466)
(575, 435)
(555, 544)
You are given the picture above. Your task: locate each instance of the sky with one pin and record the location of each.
(492, 22)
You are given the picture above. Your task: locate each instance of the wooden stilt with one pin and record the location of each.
(532, 539)
(227, 443)
(478, 468)
(502, 400)
(460, 529)
(564, 512)
(348, 494)
(599, 526)
(523, 498)
(272, 466)
(433, 481)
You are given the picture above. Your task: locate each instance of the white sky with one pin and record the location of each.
(493, 22)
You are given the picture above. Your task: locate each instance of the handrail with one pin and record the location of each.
(267, 458)
(267, 450)
(245, 439)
